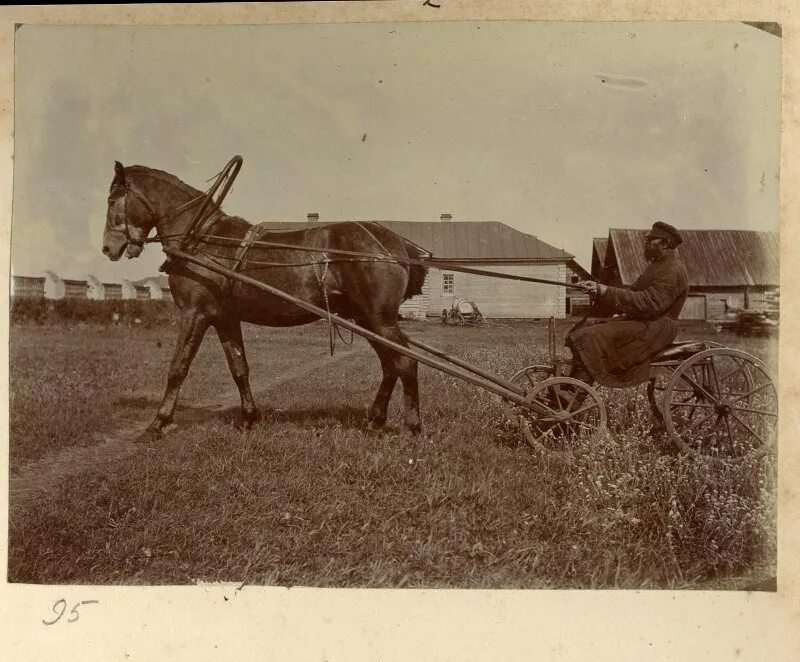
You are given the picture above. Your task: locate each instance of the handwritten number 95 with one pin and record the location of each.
(60, 608)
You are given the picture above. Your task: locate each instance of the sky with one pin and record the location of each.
(561, 130)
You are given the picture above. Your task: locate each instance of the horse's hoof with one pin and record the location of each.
(245, 425)
(376, 425)
(149, 436)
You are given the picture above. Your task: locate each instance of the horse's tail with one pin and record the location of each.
(416, 272)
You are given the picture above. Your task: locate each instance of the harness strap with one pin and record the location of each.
(252, 234)
(197, 235)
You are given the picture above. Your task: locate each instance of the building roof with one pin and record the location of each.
(579, 270)
(599, 244)
(161, 281)
(725, 258)
(467, 240)
(599, 249)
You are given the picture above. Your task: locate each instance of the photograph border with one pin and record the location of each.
(223, 621)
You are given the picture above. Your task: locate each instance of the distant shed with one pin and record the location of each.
(735, 268)
(493, 246)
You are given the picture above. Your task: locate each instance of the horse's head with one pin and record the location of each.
(129, 218)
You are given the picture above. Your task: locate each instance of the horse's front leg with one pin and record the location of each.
(230, 336)
(192, 329)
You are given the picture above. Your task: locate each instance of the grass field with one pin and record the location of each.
(308, 497)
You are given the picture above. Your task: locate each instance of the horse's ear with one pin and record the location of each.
(119, 170)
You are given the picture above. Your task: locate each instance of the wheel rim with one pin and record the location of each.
(562, 410)
(723, 404)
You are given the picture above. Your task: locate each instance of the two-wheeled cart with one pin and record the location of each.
(711, 400)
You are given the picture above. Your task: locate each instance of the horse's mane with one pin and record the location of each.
(162, 176)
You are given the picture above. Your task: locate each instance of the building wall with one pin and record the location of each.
(709, 303)
(25, 286)
(576, 301)
(113, 290)
(499, 298)
(75, 289)
(417, 307)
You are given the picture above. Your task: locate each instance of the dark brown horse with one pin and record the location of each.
(368, 292)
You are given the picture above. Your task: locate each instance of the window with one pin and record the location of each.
(575, 278)
(448, 283)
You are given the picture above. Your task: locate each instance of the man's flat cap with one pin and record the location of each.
(663, 230)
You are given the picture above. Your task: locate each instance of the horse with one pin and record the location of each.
(365, 290)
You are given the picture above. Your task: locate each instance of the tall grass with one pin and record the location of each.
(309, 497)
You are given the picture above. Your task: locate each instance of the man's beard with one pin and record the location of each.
(653, 253)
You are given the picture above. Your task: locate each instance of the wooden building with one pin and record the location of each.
(493, 246)
(726, 268)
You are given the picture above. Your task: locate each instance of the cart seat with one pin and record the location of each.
(681, 350)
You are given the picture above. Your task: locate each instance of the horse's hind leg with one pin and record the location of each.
(192, 329)
(376, 415)
(229, 331)
(408, 375)
(395, 365)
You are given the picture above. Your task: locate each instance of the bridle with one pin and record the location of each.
(223, 182)
(127, 187)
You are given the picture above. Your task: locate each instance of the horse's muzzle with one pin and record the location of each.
(134, 249)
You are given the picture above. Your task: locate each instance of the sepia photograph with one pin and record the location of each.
(396, 305)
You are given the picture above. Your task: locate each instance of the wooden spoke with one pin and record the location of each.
(557, 392)
(752, 392)
(572, 401)
(692, 404)
(591, 405)
(713, 371)
(747, 427)
(756, 411)
(702, 390)
(545, 406)
(700, 421)
(739, 368)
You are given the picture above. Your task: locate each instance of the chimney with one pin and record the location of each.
(446, 217)
(313, 217)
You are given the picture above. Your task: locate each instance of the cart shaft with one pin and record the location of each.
(487, 381)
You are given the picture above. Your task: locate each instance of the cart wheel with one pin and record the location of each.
(458, 318)
(722, 404)
(479, 319)
(560, 410)
(657, 384)
(526, 379)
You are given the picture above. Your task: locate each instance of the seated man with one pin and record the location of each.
(618, 352)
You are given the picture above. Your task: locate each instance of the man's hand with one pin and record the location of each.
(594, 289)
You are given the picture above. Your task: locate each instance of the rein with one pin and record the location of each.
(200, 226)
(450, 266)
